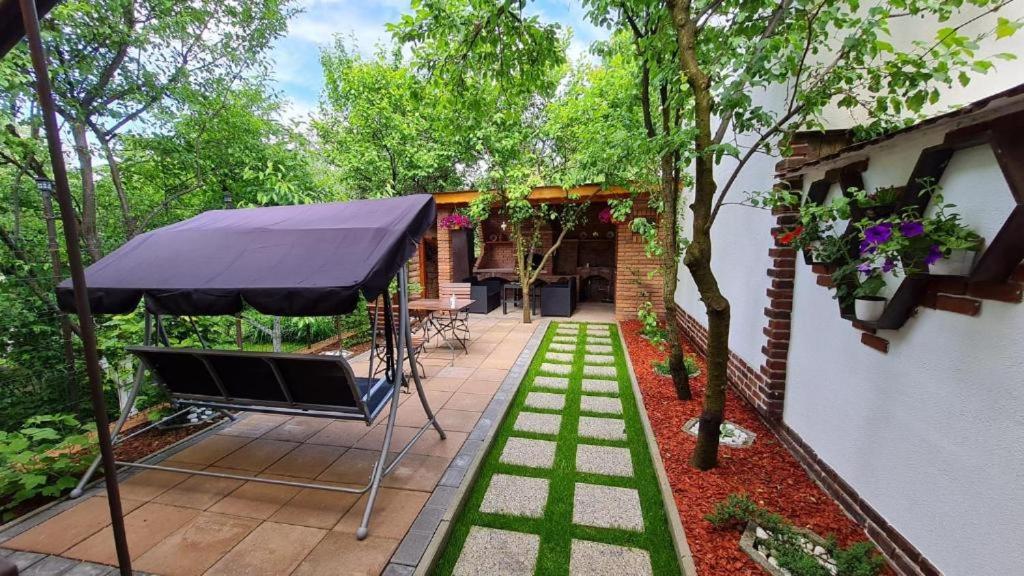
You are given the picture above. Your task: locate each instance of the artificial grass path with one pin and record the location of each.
(555, 528)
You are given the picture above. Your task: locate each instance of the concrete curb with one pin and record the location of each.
(466, 465)
(675, 525)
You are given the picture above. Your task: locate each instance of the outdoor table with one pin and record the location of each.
(442, 316)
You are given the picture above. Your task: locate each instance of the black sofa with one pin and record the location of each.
(486, 294)
(558, 298)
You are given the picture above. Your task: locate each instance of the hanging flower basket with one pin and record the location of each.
(456, 221)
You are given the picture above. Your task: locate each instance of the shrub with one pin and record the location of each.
(787, 546)
(690, 362)
(650, 329)
(43, 458)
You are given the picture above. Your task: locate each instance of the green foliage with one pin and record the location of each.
(43, 458)
(689, 362)
(789, 547)
(650, 328)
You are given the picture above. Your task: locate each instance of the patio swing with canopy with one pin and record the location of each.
(309, 260)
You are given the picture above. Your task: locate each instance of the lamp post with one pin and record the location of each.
(46, 187)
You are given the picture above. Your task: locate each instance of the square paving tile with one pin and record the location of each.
(306, 461)
(340, 553)
(70, 527)
(256, 455)
(340, 434)
(607, 460)
(515, 496)
(600, 386)
(597, 348)
(253, 425)
(394, 511)
(598, 359)
(545, 400)
(597, 559)
(492, 551)
(559, 356)
(298, 429)
(90, 569)
(560, 369)
(562, 347)
(600, 371)
(271, 549)
(528, 452)
(553, 382)
(197, 546)
(475, 386)
(256, 499)
(468, 402)
(210, 449)
(602, 428)
(457, 420)
(315, 508)
(201, 492)
(607, 507)
(538, 423)
(600, 404)
(145, 527)
(599, 340)
(148, 484)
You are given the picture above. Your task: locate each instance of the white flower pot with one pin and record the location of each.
(869, 310)
(959, 263)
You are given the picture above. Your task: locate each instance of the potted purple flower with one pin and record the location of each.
(456, 221)
(955, 247)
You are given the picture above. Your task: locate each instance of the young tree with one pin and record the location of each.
(388, 130)
(823, 54)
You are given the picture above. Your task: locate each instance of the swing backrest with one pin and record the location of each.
(266, 382)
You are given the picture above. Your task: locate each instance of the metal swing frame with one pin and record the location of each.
(397, 346)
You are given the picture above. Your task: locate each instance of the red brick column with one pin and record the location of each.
(633, 283)
(444, 248)
(771, 393)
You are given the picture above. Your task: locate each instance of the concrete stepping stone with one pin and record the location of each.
(597, 559)
(538, 423)
(560, 369)
(600, 404)
(607, 507)
(598, 348)
(493, 551)
(599, 340)
(561, 347)
(553, 382)
(606, 371)
(606, 460)
(559, 356)
(528, 452)
(602, 428)
(600, 386)
(598, 359)
(515, 496)
(565, 339)
(545, 400)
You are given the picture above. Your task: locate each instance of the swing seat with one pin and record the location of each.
(275, 383)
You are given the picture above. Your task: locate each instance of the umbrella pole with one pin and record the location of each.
(85, 323)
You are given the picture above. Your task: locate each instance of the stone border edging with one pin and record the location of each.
(420, 549)
(675, 525)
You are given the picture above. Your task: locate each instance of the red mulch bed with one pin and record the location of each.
(766, 471)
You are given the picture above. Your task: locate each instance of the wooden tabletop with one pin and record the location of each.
(438, 305)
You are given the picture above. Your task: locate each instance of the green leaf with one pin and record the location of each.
(1006, 27)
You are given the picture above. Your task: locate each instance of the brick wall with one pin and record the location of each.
(633, 283)
(444, 248)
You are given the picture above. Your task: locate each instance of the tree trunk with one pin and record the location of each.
(130, 229)
(524, 273)
(16, 206)
(670, 274)
(698, 254)
(90, 233)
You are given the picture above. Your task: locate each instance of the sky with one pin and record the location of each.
(296, 67)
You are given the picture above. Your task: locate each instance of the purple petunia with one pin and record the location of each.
(888, 265)
(867, 247)
(879, 233)
(934, 255)
(865, 267)
(911, 228)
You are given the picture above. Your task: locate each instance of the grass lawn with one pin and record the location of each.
(556, 528)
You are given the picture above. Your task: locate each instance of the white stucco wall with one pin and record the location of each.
(931, 434)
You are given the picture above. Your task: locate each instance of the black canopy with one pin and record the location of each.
(310, 260)
(11, 29)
